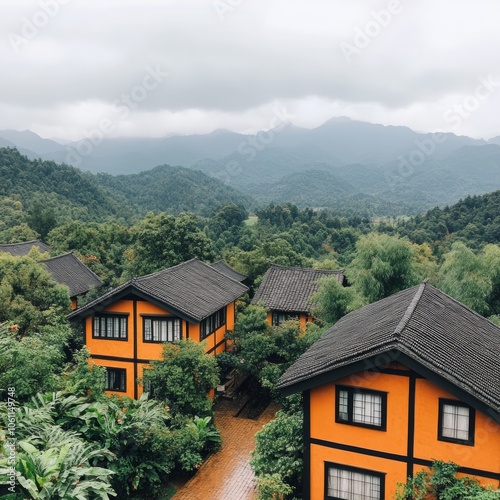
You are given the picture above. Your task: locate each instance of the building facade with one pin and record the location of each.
(287, 292)
(127, 327)
(394, 386)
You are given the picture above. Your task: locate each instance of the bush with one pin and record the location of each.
(184, 377)
(277, 458)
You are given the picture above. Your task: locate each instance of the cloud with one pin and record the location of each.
(224, 70)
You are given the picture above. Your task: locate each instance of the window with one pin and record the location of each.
(110, 326)
(212, 323)
(349, 483)
(361, 407)
(115, 379)
(456, 422)
(162, 329)
(280, 317)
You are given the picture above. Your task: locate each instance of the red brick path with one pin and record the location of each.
(227, 475)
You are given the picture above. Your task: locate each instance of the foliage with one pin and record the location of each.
(183, 378)
(54, 462)
(473, 279)
(172, 189)
(443, 484)
(161, 241)
(332, 301)
(62, 191)
(383, 265)
(272, 487)
(475, 220)
(277, 458)
(31, 364)
(83, 377)
(99, 245)
(29, 296)
(265, 352)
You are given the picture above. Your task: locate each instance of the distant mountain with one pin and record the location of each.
(396, 164)
(30, 141)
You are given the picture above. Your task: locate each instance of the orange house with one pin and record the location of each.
(394, 386)
(127, 327)
(287, 292)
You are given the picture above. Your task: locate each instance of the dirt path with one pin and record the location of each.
(227, 474)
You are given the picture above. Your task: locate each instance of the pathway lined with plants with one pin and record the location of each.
(227, 475)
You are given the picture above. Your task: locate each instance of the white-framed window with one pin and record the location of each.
(363, 407)
(116, 379)
(350, 483)
(456, 422)
(161, 329)
(110, 326)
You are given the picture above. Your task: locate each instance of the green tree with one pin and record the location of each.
(184, 377)
(382, 266)
(33, 363)
(42, 220)
(161, 241)
(99, 245)
(332, 301)
(464, 276)
(29, 296)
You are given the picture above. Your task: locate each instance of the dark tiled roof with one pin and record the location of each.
(21, 249)
(226, 269)
(68, 270)
(439, 333)
(291, 288)
(192, 289)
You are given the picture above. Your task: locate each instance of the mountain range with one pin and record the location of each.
(337, 164)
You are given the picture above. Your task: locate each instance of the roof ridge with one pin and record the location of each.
(221, 273)
(58, 256)
(306, 269)
(21, 243)
(137, 278)
(410, 310)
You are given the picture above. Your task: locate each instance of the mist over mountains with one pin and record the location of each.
(341, 163)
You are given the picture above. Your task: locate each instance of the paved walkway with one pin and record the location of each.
(227, 475)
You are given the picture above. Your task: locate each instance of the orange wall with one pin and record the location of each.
(323, 425)
(147, 350)
(484, 455)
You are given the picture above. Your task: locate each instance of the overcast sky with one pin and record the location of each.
(160, 67)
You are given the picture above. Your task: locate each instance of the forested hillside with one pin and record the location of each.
(37, 195)
(474, 220)
(64, 190)
(173, 190)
